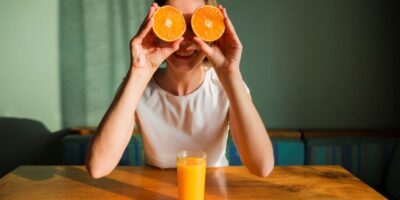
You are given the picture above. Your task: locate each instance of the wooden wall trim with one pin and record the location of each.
(284, 134)
(346, 133)
(287, 134)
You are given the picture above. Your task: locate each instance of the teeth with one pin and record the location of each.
(184, 53)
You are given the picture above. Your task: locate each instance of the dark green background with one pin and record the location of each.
(321, 64)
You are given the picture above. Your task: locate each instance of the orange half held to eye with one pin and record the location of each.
(208, 23)
(169, 24)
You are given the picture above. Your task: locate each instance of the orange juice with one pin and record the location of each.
(191, 177)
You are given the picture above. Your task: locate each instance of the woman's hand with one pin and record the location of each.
(147, 53)
(226, 52)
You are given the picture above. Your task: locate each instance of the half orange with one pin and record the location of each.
(208, 23)
(169, 24)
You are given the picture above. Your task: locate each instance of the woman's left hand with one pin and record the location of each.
(225, 53)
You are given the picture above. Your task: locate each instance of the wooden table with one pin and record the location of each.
(73, 182)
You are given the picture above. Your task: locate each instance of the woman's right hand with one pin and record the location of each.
(147, 53)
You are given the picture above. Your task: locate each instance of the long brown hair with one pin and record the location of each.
(208, 2)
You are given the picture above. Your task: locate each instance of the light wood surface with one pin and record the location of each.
(73, 182)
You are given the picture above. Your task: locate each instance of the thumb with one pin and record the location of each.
(172, 47)
(203, 46)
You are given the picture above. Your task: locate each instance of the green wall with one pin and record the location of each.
(309, 63)
(321, 64)
(29, 79)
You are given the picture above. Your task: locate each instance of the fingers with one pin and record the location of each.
(144, 27)
(176, 43)
(149, 14)
(155, 5)
(152, 9)
(172, 47)
(230, 29)
(145, 30)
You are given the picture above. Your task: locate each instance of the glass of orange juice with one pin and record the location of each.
(191, 166)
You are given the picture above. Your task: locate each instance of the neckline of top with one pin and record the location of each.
(193, 93)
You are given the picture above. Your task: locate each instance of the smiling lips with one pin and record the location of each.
(185, 53)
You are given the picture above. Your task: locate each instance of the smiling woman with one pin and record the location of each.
(185, 106)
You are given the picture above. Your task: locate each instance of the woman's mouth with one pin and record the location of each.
(184, 54)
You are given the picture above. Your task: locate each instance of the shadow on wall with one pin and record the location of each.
(27, 142)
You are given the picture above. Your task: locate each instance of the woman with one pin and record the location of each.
(187, 105)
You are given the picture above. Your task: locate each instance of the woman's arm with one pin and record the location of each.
(116, 127)
(247, 128)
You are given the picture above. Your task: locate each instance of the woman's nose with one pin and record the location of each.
(186, 43)
(189, 32)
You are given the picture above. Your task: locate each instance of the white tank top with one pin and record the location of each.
(198, 121)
